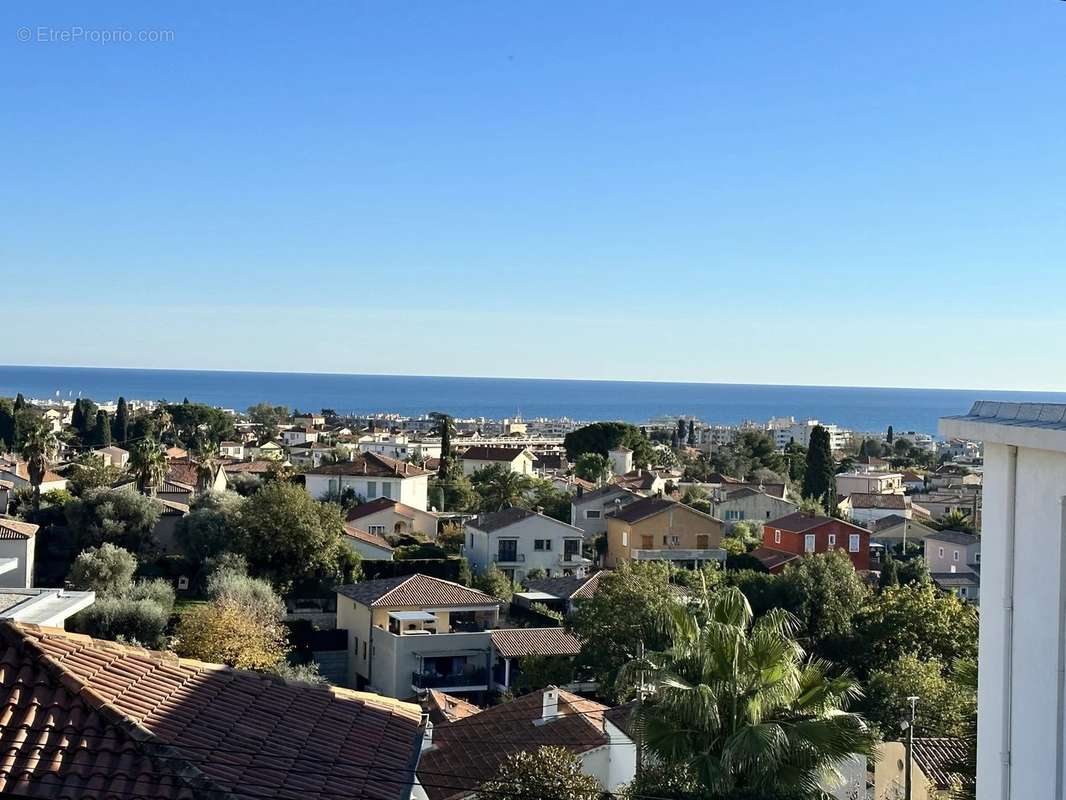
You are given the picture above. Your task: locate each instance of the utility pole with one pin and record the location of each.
(640, 703)
(910, 749)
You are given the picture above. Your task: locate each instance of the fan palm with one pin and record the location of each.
(39, 448)
(148, 464)
(501, 488)
(736, 704)
(206, 465)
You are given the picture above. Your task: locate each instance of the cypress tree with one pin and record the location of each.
(691, 432)
(7, 425)
(819, 481)
(682, 430)
(102, 430)
(20, 402)
(891, 434)
(121, 428)
(77, 417)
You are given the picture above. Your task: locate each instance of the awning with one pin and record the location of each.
(412, 616)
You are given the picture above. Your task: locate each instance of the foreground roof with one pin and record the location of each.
(1041, 426)
(381, 504)
(414, 590)
(771, 558)
(481, 452)
(800, 521)
(136, 723)
(16, 529)
(469, 751)
(568, 587)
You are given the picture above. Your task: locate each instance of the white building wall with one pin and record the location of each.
(22, 576)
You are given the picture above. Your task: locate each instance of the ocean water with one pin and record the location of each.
(864, 409)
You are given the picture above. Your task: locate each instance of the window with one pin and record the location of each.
(625, 538)
(371, 490)
(386, 489)
(364, 651)
(665, 539)
(379, 529)
(733, 516)
(955, 556)
(832, 540)
(592, 513)
(853, 543)
(471, 541)
(777, 537)
(647, 542)
(508, 550)
(808, 543)
(542, 544)
(977, 558)
(940, 552)
(962, 591)
(675, 540)
(703, 541)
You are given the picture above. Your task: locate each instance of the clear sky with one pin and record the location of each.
(833, 192)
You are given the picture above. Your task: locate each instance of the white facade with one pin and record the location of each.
(1021, 733)
(410, 491)
(869, 483)
(534, 542)
(19, 576)
(621, 459)
(785, 430)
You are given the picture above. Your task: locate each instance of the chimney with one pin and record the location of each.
(550, 708)
(427, 733)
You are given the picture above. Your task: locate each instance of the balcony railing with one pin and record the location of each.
(573, 560)
(716, 554)
(467, 678)
(509, 558)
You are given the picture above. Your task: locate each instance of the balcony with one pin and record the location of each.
(470, 680)
(509, 558)
(573, 560)
(711, 554)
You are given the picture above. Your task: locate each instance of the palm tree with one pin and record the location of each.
(39, 448)
(736, 704)
(501, 488)
(206, 465)
(148, 464)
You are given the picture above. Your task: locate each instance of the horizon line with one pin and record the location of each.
(527, 378)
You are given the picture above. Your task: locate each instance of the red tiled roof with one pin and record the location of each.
(519, 642)
(868, 500)
(182, 472)
(443, 707)
(469, 751)
(801, 522)
(136, 723)
(939, 758)
(414, 590)
(372, 464)
(381, 504)
(366, 536)
(252, 467)
(17, 529)
(21, 470)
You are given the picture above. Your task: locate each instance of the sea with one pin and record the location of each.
(857, 408)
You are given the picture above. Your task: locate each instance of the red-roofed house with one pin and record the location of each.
(386, 515)
(803, 533)
(371, 476)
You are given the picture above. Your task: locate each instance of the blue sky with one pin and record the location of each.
(824, 192)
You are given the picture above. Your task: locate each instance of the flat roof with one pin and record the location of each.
(412, 616)
(535, 596)
(1039, 426)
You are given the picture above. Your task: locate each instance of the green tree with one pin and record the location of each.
(540, 672)
(600, 437)
(102, 430)
(547, 773)
(267, 418)
(832, 593)
(735, 702)
(623, 615)
(289, 537)
(500, 487)
(454, 494)
(444, 428)
(493, 581)
(39, 448)
(77, 417)
(891, 435)
(90, 472)
(210, 527)
(7, 425)
(592, 467)
(121, 429)
(20, 402)
(552, 502)
(116, 516)
(889, 573)
(106, 570)
(916, 619)
(942, 710)
(148, 464)
(140, 622)
(819, 479)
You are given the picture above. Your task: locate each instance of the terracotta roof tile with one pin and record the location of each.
(17, 529)
(170, 728)
(371, 464)
(469, 751)
(366, 536)
(519, 642)
(414, 590)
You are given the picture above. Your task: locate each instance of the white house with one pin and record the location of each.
(17, 541)
(371, 546)
(234, 450)
(18, 474)
(1021, 733)
(869, 483)
(588, 510)
(518, 540)
(371, 476)
(621, 460)
(517, 459)
(383, 516)
(294, 436)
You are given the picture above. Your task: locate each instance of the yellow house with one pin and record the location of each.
(656, 528)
